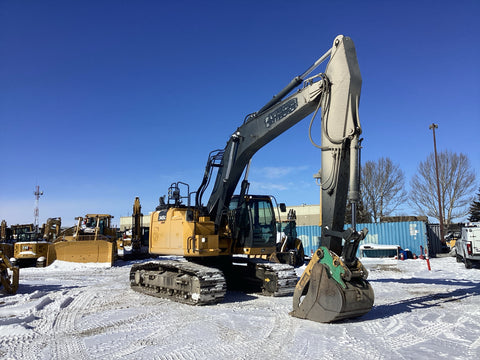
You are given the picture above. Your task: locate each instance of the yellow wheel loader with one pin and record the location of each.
(219, 243)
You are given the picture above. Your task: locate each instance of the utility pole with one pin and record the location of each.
(37, 194)
(440, 212)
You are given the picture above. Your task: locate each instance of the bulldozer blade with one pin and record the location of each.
(322, 299)
(89, 251)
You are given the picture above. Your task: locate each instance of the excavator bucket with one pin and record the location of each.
(328, 291)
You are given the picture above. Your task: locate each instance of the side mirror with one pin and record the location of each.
(283, 207)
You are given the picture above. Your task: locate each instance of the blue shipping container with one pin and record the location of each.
(408, 235)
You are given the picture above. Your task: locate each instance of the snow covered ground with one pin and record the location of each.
(87, 311)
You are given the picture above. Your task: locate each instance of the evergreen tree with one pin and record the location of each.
(363, 216)
(475, 209)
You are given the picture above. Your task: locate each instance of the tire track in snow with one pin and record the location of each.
(33, 328)
(274, 331)
(65, 341)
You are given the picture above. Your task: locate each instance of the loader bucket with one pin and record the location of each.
(326, 296)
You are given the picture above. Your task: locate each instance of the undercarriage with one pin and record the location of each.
(198, 284)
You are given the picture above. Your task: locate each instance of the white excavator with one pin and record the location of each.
(220, 243)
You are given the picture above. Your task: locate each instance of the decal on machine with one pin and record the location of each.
(281, 112)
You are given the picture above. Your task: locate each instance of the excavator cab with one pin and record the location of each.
(253, 223)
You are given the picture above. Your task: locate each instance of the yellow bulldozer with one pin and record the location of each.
(92, 239)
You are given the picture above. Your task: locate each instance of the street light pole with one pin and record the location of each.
(440, 212)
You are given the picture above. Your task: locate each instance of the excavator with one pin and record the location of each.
(218, 244)
(31, 247)
(9, 272)
(9, 275)
(129, 244)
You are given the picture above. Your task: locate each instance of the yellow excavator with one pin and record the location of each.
(219, 243)
(129, 244)
(6, 240)
(9, 275)
(31, 248)
(91, 240)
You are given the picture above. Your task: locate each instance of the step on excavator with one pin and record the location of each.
(221, 243)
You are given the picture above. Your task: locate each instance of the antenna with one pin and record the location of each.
(37, 194)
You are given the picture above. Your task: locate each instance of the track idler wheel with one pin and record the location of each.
(324, 294)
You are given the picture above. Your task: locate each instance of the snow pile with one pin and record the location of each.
(87, 311)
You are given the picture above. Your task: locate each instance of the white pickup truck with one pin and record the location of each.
(468, 246)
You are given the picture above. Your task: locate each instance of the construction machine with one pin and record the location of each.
(51, 229)
(9, 275)
(6, 240)
(219, 242)
(5, 232)
(31, 247)
(8, 271)
(91, 240)
(18, 230)
(289, 250)
(129, 244)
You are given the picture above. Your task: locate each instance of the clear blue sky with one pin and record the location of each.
(102, 101)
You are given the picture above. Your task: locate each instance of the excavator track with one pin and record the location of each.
(179, 281)
(270, 279)
(284, 275)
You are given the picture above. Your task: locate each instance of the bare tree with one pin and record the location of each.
(457, 183)
(382, 187)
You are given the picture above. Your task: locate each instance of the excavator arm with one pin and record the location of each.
(256, 132)
(337, 92)
(334, 284)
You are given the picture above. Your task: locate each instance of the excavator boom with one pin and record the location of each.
(334, 285)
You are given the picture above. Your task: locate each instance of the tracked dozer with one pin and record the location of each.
(91, 240)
